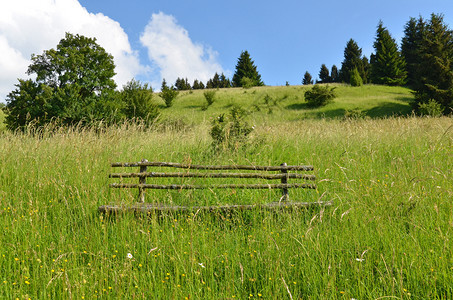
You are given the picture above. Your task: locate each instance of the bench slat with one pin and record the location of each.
(213, 186)
(213, 175)
(207, 167)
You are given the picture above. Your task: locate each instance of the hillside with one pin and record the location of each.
(286, 103)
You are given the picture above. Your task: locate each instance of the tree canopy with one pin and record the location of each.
(74, 83)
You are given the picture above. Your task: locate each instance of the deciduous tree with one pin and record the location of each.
(73, 83)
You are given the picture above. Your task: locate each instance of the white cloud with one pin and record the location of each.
(173, 52)
(30, 27)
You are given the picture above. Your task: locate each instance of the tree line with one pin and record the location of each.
(423, 62)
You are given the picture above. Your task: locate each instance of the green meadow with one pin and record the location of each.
(388, 234)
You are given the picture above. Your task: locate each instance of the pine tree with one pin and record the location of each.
(197, 85)
(410, 48)
(365, 70)
(436, 66)
(324, 74)
(307, 79)
(387, 65)
(352, 59)
(245, 67)
(334, 74)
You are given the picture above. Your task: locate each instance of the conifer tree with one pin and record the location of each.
(410, 48)
(197, 85)
(387, 65)
(307, 79)
(352, 59)
(436, 66)
(245, 67)
(334, 74)
(324, 74)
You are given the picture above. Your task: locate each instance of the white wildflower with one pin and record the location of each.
(129, 255)
(201, 265)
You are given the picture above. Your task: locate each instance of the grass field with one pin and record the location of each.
(387, 236)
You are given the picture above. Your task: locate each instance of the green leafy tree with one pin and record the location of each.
(138, 101)
(435, 70)
(245, 67)
(352, 59)
(334, 74)
(414, 32)
(324, 74)
(74, 83)
(387, 65)
(29, 102)
(307, 79)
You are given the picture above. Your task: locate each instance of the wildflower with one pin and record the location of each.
(360, 259)
(129, 255)
(201, 265)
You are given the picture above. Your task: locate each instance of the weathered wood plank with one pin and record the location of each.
(144, 208)
(213, 186)
(213, 167)
(213, 175)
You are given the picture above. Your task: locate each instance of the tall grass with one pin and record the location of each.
(389, 233)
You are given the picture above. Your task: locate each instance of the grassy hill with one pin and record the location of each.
(286, 103)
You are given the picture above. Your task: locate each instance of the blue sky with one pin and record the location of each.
(194, 39)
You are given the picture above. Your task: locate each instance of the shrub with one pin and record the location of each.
(169, 94)
(354, 114)
(431, 108)
(209, 96)
(319, 95)
(230, 132)
(247, 83)
(355, 79)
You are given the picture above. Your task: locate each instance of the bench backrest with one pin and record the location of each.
(193, 171)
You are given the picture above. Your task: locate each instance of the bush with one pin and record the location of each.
(319, 95)
(209, 96)
(169, 94)
(247, 83)
(355, 79)
(354, 114)
(431, 108)
(230, 132)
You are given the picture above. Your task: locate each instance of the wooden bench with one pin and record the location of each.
(284, 175)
